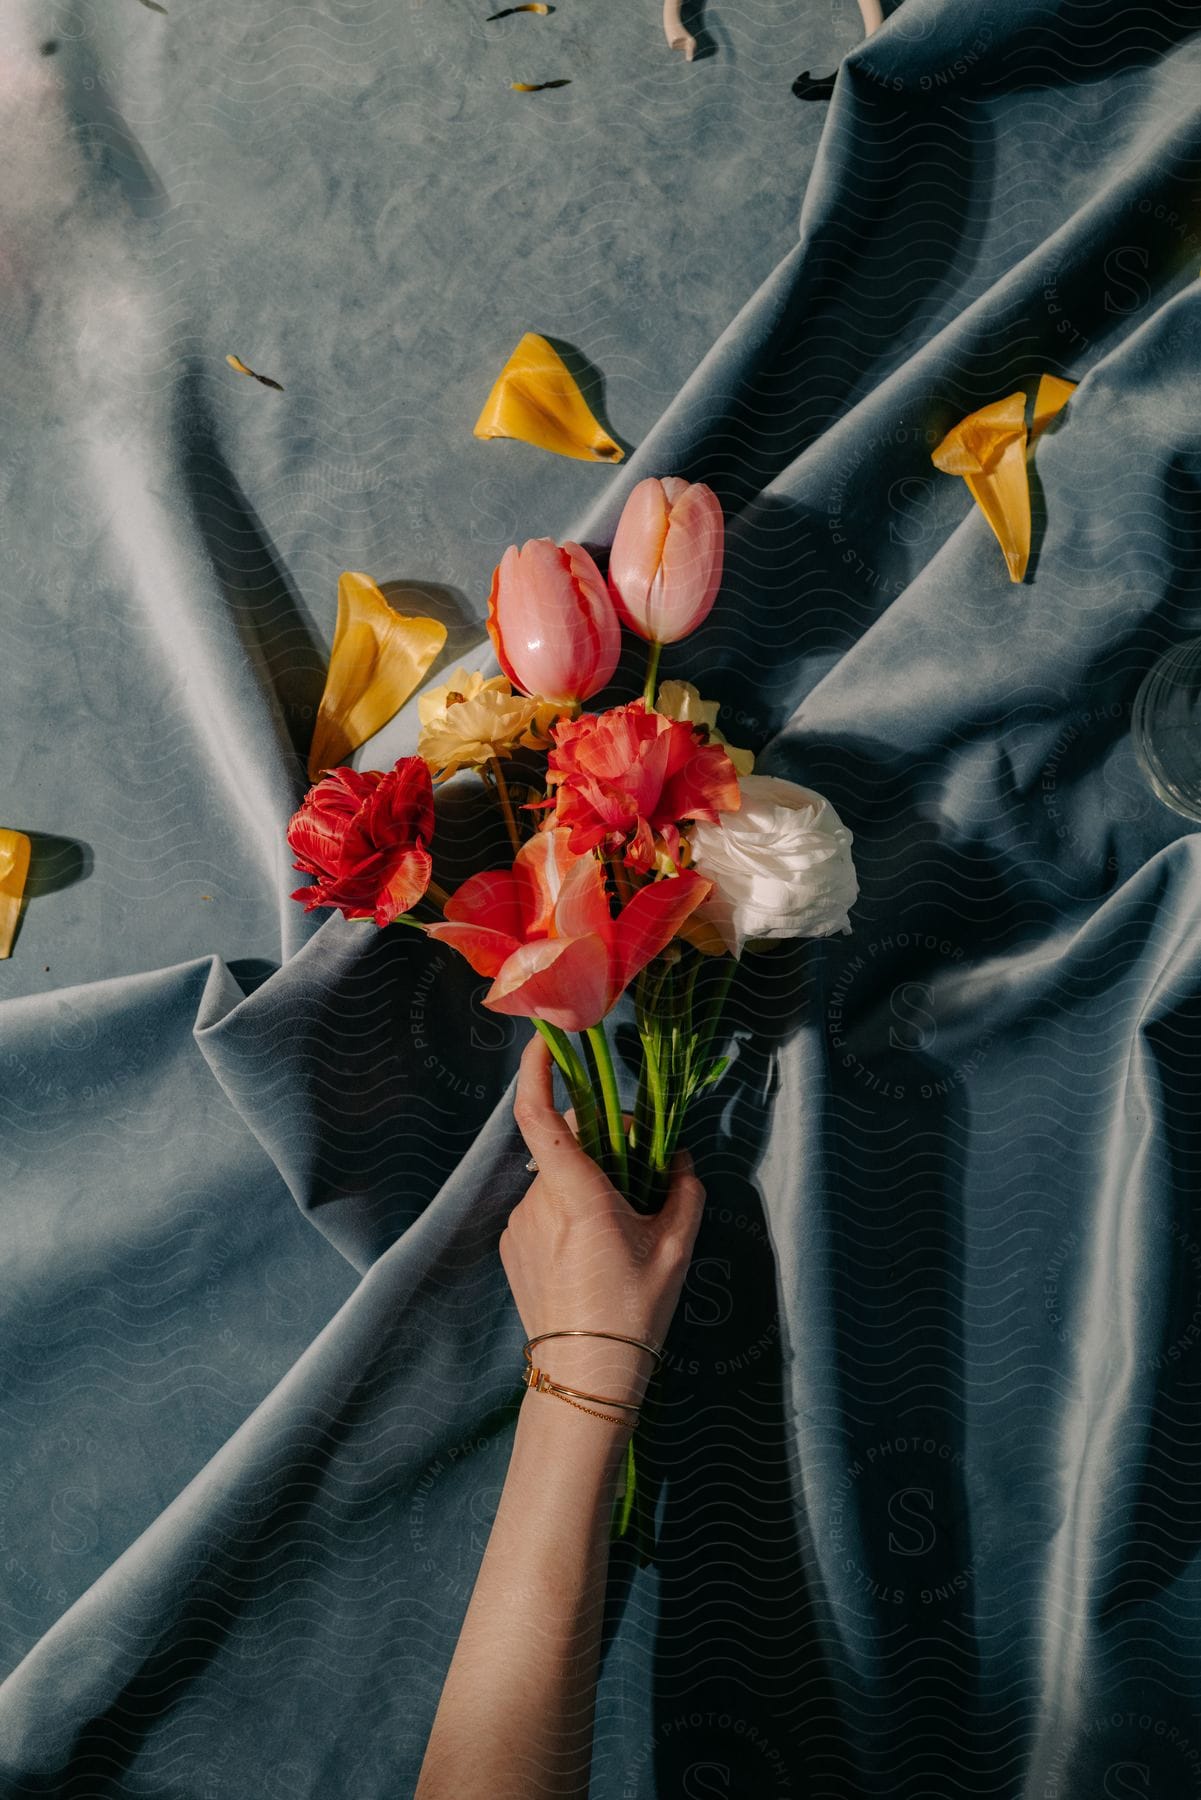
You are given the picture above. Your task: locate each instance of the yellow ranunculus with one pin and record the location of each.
(680, 700)
(472, 718)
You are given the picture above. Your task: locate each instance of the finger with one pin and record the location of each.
(544, 1129)
(681, 1211)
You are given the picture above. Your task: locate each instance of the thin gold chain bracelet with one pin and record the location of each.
(611, 1417)
(544, 1383)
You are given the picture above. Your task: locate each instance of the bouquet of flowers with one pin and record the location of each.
(645, 854)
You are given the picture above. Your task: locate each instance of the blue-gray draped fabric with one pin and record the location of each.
(925, 1460)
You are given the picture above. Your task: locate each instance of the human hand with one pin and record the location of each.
(577, 1255)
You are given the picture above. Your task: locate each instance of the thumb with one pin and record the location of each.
(685, 1202)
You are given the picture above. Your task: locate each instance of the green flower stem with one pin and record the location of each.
(716, 1005)
(506, 802)
(652, 1111)
(600, 1153)
(612, 1099)
(578, 1086)
(652, 675)
(654, 1082)
(625, 1501)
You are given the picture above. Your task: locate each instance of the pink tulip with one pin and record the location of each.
(551, 621)
(665, 564)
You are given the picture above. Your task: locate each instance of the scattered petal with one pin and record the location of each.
(1052, 396)
(14, 872)
(379, 657)
(235, 362)
(673, 30)
(537, 87)
(990, 450)
(537, 400)
(813, 87)
(531, 6)
(153, 6)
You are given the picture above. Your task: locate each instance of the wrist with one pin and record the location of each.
(565, 1436)
(610, 1370)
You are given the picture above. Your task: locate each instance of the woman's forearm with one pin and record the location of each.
(516, 1715)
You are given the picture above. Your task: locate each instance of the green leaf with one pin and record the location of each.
(714, 1074)
(624, 1506)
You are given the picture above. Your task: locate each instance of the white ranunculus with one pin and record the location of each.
(780, 866)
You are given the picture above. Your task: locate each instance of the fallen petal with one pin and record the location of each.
(537, 400)
(537, 87)
(235, 362)
(379, 657)
(531, 6)
(972, 446)
(1052, 396)
(14, 872)
(988, 449)
(1003, 496)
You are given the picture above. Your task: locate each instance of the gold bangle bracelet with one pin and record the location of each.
(616, 1337)
(542, 1383)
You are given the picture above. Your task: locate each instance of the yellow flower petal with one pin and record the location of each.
(989, 449)
(977, 442)
(434, 702)
(1003, 496)
(538, 736)
(235, 362)
(14, 871)
(680, 700)
(703, 936)
(468, 733)
(1052, 396)
(379, 657)
(537, 400)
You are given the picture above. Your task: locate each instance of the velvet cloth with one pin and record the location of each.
(925, 1459)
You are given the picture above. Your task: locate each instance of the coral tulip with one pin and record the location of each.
(665, 564)
(551, 621)
(544, 932)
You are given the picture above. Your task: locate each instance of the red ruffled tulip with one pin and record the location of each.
(365, 837)
(551, 621)
(665, 564)
(544, 932)
(625, 779)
